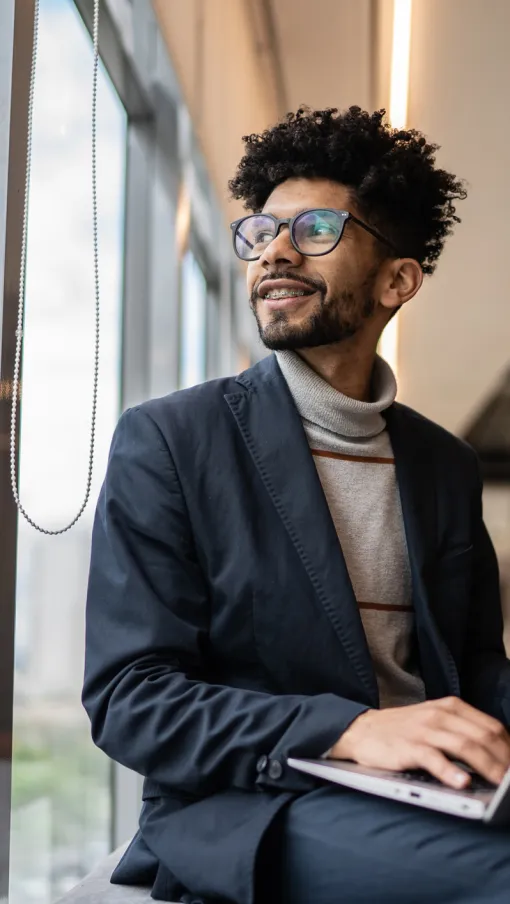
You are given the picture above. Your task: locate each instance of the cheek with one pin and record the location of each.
(252, 277)
(338, 275)
(330, 279)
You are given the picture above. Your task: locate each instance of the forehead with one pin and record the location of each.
(297, 194)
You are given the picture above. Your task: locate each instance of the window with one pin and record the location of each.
(61, 800)
(176, 330)
(193, 366)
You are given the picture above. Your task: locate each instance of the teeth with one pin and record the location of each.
(285, 293)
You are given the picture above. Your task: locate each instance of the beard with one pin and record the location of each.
(334, 319)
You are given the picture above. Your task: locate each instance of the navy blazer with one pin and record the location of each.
(223, 633)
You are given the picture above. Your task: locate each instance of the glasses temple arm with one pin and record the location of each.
(374, 232)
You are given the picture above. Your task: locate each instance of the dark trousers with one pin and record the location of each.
(346, 847)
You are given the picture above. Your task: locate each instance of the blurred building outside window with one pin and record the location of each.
(61, 783)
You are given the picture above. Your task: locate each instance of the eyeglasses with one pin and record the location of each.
(313, 232)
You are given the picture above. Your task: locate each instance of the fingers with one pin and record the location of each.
(426, 735)
(459, 707)
(496, 744)
(471, 736)
(479, 758)
(435, 762)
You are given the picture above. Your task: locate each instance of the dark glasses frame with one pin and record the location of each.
(344, 215)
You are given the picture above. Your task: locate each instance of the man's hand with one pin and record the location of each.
(419, 736)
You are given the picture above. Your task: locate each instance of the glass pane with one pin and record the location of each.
(61, 800)
(193, 323)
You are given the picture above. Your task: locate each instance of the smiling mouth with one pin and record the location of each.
(278, 293)
(288, 299)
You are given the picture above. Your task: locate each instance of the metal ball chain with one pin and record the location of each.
(22, 280)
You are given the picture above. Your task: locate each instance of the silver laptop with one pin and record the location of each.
(480, 800)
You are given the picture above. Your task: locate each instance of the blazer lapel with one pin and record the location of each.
(415, 476)
(272, 431)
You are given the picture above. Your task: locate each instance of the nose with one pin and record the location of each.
(281, 250)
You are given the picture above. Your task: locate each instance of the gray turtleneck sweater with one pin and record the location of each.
(352, 452)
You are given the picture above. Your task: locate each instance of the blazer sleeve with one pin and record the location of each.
(487, 667)
(146, 690)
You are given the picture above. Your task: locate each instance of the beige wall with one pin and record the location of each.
(382, 49)
(455, 335)
(326, 51)
(225, 83)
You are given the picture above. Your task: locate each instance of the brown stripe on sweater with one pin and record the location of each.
(365, 459)
(384, 607)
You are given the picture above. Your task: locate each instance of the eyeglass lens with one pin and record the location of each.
(314, 232)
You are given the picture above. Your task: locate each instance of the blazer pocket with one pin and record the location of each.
(451, 597)
(455, 566)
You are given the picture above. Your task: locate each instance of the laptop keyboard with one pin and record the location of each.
(477, 783)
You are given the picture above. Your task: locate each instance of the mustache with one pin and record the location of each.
(315, 284)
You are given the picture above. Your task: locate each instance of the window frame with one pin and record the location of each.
(16, 29)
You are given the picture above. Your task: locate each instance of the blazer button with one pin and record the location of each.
(262, 764)
(275, 770)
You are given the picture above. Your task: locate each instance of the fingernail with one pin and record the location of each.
(460, 779)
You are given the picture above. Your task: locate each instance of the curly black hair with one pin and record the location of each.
(390, 172)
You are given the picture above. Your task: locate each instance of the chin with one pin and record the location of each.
(298, 319)
(280, 335)
(288, 339)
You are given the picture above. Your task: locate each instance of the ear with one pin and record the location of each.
(399, 281)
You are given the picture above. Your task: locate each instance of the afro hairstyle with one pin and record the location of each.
(391, 174)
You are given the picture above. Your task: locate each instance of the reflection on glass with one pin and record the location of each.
(61, 783)
(193, 323)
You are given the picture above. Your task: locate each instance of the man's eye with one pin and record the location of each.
(322, 229)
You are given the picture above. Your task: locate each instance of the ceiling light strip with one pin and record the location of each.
(399, 94)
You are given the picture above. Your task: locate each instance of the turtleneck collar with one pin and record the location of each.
(320, 404)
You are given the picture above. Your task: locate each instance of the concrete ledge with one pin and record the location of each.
(97, 888)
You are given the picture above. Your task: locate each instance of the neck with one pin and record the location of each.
(348, 369)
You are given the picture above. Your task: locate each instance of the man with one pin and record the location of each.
(288, 563)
